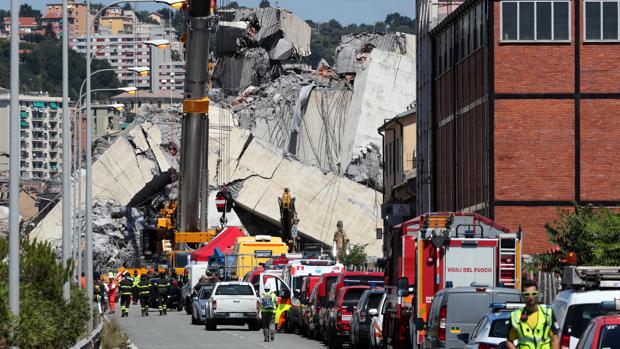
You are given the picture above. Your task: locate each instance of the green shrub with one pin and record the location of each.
(45, 319)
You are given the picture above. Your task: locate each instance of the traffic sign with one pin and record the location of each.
(294, 231)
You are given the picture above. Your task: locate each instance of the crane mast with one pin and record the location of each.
(193, 169)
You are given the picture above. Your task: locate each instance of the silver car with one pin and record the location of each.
(490, 331)
(199, 304)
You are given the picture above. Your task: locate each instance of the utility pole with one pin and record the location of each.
(88, 205)
(14, 151)
(66, 148)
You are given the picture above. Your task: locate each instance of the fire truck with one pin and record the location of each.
(437, 250)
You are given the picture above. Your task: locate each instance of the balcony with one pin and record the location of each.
(39, 126)
(24, 164)
(38, 145)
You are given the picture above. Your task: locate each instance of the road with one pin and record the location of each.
(175, 331)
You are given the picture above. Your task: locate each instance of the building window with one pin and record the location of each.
(535, 20)
(601, 20)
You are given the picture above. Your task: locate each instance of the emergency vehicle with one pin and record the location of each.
(293, 276)
(428, 252)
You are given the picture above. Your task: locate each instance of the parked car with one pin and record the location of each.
(376, 325)
(232, 303)
(311, 316)
(341, 313)
(307, 286)
(492, 329)
(367, 308)
(459, 309)
(603, 331)
(575, 309)
(199, 304)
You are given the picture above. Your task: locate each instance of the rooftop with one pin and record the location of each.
(23, 21)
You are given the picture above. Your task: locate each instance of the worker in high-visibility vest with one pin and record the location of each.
(534, 326)
(126, 287)
(136, 288)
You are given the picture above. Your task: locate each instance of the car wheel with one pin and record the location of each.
(254, 325)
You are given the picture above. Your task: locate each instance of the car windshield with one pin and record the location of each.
(234, 290)
(579, 316)
(373, 300)
(351, 297)
(297, 281)
(205, 292)
(500, 328)
(610, 337)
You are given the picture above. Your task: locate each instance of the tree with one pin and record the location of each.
(264, 3)
(144, 16)
(593, 234)
(26, 10)
(356, 256)
(45, 319)
(41, 70)
(127, 7)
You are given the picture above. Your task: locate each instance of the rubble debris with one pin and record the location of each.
(278, 24)
(367, 167)
(116, 235)
(354, 49)
(237, 72)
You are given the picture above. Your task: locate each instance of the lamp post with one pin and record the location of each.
(66, 145)
(89, 160)
(14, 150)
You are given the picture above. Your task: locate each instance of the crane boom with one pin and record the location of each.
(195, 124)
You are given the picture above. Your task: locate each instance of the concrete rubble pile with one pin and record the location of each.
(116, 234)
(252, 44)
(330, 120)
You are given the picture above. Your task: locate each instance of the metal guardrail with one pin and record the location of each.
(92, 341)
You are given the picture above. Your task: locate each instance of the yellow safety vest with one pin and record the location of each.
(538, 337)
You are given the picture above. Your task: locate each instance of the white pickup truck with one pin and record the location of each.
(232, 303)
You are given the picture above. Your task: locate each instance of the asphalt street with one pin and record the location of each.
(176, 331)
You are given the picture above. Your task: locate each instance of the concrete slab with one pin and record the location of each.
(383, 89)
(278, 23)
(350, 53)
(261, 171)
(118, 174)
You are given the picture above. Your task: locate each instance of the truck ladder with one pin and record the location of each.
(508, 260)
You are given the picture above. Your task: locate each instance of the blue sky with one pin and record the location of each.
(345, 11)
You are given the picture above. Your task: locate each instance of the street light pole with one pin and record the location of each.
(66, 148)
(88, 205)
(89, 174)
(14, 151)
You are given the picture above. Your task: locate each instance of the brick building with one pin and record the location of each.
(525, 111)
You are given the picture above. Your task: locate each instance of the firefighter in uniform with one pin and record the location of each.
(534, 326)
(162, 287)
(144, 291)
(126, 286)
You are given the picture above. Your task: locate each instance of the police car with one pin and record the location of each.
(575, 307)
(492, 329)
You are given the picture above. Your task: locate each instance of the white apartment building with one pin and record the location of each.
(40, 134)
(124, 51)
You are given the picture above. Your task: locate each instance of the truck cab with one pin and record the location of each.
(251, 251)
(436, 250)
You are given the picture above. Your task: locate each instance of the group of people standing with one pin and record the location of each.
(148, 289)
